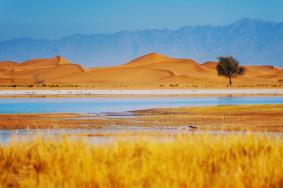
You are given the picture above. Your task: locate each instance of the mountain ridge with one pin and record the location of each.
(252, 41)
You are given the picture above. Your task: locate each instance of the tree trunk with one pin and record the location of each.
(230, 81)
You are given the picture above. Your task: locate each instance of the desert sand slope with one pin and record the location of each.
(148, 59)
(155, 68)
(264, 71)
(150, 69)
(7, 65)
(47, 69)
(41, 64)
(210, 64)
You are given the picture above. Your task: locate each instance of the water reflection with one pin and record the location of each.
(104, 105)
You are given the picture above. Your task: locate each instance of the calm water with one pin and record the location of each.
(102, 105)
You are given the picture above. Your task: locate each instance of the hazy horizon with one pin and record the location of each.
(56, 19)
(111, 32)
(261, 40)
(141, 30)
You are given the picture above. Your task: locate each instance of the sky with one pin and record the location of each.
(59, 18)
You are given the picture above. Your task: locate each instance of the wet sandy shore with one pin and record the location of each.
(240, 117)
(153, 92)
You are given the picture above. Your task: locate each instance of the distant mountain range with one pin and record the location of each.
(251, 41)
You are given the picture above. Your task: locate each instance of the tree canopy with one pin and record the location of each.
(229, 67)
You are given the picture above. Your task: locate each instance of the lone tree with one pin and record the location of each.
(229, 67)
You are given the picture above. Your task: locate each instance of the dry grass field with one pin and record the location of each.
(186, 161)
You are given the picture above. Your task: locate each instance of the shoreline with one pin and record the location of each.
(229, 118)
(135, 92)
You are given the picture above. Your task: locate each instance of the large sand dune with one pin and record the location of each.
(149, 70)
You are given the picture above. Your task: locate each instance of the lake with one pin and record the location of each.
(121, 104)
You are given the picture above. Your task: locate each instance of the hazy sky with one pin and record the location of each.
(57, 18)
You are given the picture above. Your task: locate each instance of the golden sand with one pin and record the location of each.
(151, 71)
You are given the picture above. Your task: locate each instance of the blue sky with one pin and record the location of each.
(57, 18)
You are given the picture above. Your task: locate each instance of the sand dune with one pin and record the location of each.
(48, 69)
(150, 69)
(210, 64)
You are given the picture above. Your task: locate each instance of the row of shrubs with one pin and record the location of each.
(76, 85)
(205, 85)
(39, 85)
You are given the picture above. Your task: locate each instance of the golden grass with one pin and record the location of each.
(186, 161)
